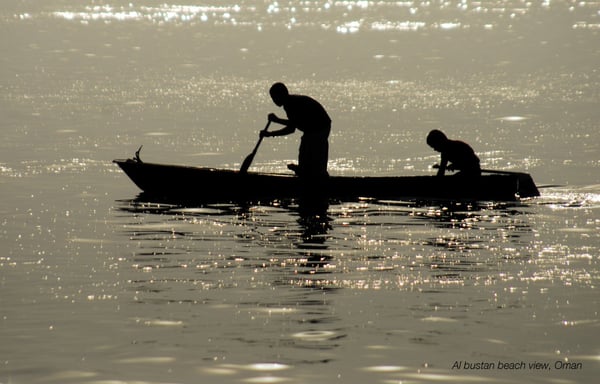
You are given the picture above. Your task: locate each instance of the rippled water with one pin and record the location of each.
(99, 284)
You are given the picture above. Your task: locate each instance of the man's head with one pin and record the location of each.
(279, 93)
(437, 140)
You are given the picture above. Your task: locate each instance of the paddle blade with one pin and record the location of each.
(247, 161)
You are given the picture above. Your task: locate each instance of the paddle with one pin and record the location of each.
(248, 160)
(436, 166)
(502, 172)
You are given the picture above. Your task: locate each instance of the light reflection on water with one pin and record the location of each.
(230, 258)
(344, 17)
(365, 246)
(387, 246)
(259, 287)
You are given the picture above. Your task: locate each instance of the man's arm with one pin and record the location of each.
(282, 132)
(443, 165)
(275, 119)
(288, 129)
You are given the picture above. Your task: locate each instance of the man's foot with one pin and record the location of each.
(294, 168)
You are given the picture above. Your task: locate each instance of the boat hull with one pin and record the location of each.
(212, 184)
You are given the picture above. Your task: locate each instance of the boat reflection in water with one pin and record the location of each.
(273, 226)
(313, 243)
(272, 260)
(285, 277)
(464, 240)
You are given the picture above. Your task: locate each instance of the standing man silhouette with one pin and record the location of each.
(308, 116)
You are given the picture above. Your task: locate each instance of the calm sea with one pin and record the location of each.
(99, 285)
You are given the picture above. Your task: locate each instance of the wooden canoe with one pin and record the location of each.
(210, 184)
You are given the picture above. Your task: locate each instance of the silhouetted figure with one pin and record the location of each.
(307, 115)
(456, 155)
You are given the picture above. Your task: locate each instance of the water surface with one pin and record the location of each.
(99, 284)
